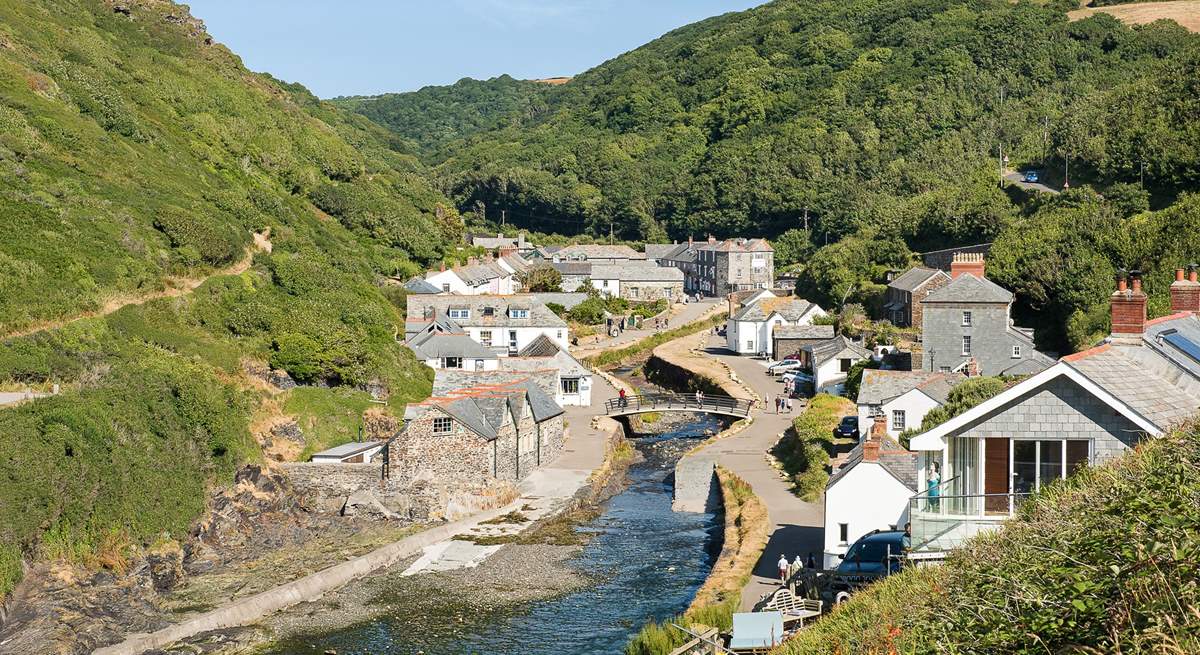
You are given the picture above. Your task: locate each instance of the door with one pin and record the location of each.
(995, 474)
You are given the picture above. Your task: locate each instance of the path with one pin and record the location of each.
(797, 526)
(681, 315)
(176, 286)
(1017, 178)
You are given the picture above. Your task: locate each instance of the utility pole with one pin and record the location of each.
(503, 218)
(806, 218)
(610, 233)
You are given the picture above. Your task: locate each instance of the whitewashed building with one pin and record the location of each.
(503, 324)
(751, 330)
(358, 452)
(572, 380)
(830, 361)
(869, 492)
(452, 350)
(903, 398)
(474, 279)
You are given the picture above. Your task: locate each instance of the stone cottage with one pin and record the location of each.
(902, 302)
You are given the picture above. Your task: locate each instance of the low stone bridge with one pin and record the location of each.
(672, 402)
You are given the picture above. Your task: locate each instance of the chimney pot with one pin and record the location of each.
(1136, 276)
(1185, 293)
(968, 262)
(1179, 275)
(1192, 273)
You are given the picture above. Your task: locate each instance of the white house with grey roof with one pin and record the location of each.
(751, 329)
(869, 492)
(967, 325)
(830, 361)
(572, 381)
(475, 278)
(902, 398)
(1086, 408)
(452, 350)
(502, 324)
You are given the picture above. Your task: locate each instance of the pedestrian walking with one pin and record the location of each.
(812, 563)
(797, 564)
(783, 569)
(789, 405)
(622, 402)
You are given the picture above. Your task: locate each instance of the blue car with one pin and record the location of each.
(1030, 176)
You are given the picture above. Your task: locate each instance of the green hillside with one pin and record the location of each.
(1103, 562)
(881, 119)
(136, 160)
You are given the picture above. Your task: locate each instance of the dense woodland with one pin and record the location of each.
(881, 120)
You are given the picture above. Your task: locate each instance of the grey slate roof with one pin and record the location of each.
(833, 348)
(436, 345)
(804, 332)
(893, 458)
(1132, 377)
(573, 268)
(539, 314)
(587, 251)
(879, 386)
(968, 288)
(348, 449)
(477, 274)
(791, 309)
(480, 400)
(637, 273)
(417, 285)
(542, 346)
(913, 278)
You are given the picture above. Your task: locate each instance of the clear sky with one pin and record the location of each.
(351, 47)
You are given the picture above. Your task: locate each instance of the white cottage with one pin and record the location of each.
(503, 324)
(572, 380)
(869, 492)
(830, 361)
(474, 279)
(903, 398)
(751, 330)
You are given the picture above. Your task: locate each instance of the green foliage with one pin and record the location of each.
(611, 357)
(1103, 562)
(542, 278)
(804, 451)
(10, 568)
(327, 417)
(962, 397)
(589, 312)
(855, 376)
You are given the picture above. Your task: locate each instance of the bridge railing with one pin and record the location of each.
(634, 404)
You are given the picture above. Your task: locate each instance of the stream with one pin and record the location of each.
(645, 560)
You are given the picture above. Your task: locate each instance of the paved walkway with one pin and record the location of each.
(680, 315)
(798, 526)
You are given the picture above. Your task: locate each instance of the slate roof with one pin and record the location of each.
(1145, 386)
(436, 345)
(879, 386)
(542, 346)
(968, 288)
(902, 464)
(573, 268)
(517, 262)
(661, 250)
(417, 285)
(791, 309)
(596, 251)
(637, 273)
(913, 278)
(804, 332)
(539, 314)
(543, 354)
(736, 245)
(480, 273)
(567, 299)
(827, 350)
(348, 449)
(481, 406)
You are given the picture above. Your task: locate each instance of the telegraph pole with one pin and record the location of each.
(503, 218)
(806, 218)
(610, 233)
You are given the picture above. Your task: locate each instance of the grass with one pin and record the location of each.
(328, 417)
(1103, 562)
(805, 449)
(746, 529)
(613, 357)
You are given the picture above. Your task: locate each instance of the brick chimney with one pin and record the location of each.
(879, 427)
(967, 262)
(1128, 306)
(1185, 292)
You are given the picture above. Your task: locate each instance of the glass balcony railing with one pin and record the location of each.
(942, 522)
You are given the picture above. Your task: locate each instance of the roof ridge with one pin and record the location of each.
(1084, 354)
(1168, 317)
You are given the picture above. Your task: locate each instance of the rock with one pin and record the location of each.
(281, 380)
(364, 504)
(122, 9)
(289, 430)
(166, 567)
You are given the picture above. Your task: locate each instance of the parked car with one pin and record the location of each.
(1030, 176)
(798, 376)
(783, 366)
(847, 428)
(874, 555)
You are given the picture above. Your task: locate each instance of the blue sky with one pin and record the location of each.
(347, 47)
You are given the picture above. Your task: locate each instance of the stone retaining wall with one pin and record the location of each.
(696, 489)
(325, 487)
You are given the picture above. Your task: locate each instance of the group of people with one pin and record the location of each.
(786, 569)
(783, 404)
(662, 323)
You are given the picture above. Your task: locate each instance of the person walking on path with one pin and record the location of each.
(622, 402)
(783, 568)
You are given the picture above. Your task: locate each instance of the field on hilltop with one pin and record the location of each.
(1184, 12)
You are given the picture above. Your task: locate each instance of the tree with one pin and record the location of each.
(542, 278)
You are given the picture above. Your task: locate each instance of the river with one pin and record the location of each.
(646, 562)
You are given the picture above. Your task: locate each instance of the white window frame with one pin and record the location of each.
(456, 361)
(479, 365)
(459, 313)
(966, 345)
(966, 318)
(1016, 352)
(485, 338)
(443, 425)
(518, 313)
(565, 385)
(445, 287)
(898, 419)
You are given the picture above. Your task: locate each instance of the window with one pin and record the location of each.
(843, 532)
(943, 369)
(966, 350)
(479, 365)
(558, 334)
(518, 313)
(443, 425)
(485, 338)
(445, 287)
(846, 364)
(749, 345)
(452, 362)
(966, 322)
(633, 292)
(489, 311)
(460, 312)
(898, 420)
(1016, 352)
(570, 385)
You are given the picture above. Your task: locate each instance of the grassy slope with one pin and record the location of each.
(132, 151)
(1105, 562)
(804, 451)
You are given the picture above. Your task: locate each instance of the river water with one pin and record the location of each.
(647, 561)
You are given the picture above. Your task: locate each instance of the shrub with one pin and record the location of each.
(588, 312)
(200, 238)
(299, 355)
(804, 451)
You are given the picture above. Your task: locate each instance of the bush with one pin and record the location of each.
(804, 451)
(589, 312)
(200, 238)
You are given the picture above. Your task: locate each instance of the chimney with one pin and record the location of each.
(879, 427)
(689, 241)
(712, 239)
(442, 266)
(1185, 292)
(1128, 307)
(967, 262)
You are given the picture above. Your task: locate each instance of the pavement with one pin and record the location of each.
(797, 526)
(1014, 177)
(681, 315)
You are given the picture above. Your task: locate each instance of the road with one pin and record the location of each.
(1014, 177)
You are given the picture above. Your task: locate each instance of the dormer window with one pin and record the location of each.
(489, 311)
(516, 312)
(460, 312)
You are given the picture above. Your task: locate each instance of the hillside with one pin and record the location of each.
(138, 159)
(1103, 562)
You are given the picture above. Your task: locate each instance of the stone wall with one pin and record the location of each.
(325, 487)
(419, 454)
(916, 308)
(644, 291)
(695, 484)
